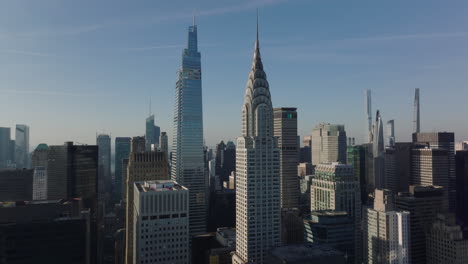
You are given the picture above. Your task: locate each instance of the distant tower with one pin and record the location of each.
(22, 146)
(103, 142)
(257, 168)
(369, 116)
(378, 152)
(391, 133)
(152, 134)
(417, 121)
(163, 145)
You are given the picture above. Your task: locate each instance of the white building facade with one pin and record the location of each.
(258, 212)
(161, 223)
(40, 183)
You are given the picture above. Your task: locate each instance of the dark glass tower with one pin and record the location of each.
(122, 151)
(187, 147)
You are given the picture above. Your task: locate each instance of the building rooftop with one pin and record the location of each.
(304, 252)
(159, 186)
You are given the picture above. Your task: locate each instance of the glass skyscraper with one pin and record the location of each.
(187, 146)
(152, 134)
(122, 151)
(22, 146)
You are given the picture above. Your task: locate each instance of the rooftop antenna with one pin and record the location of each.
(194, 17)
(257, 24)
(150, 106)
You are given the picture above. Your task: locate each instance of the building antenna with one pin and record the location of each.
(150, 106)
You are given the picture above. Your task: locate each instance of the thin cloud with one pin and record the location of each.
(73, 31)
(46, 93)
(27, 53)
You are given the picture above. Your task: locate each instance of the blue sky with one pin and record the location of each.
(70, 68)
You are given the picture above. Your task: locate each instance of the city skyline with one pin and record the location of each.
(79, 79)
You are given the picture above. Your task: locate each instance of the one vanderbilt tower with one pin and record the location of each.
(257, 172)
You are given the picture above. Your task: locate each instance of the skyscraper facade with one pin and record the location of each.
(142, 166)
(378, 152)
(328, 144)
(39, 183)
(423, 203)
(445, 141)
(122, 151)
(285, 129)
(416, 117)
(138, 145)
(152, 134)
(356, 157)
(368, 134)
(163, 145)
(161, 223)
(386, 231)
(461, 161)
(5, 137)
(398, 167)
(258, 213)
(22, 146)
(335, 187)
(390, 133)
(188, 166)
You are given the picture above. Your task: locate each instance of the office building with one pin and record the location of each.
(356, 157)
(285, 129)
(138, 144)
(142, 166)
(423, 203)
(188, 160)
(368, 137)
(331, 228)
(214, 247)
(161, 222)
(16, 184)
(163, 144)
(5, 151)
(304, 169)
(431, 167)
(258, 213)
(445, 242)
(40, 156)
(378, 153)
(390, 133)
(416, 112)
(335, 187)
(292, 226)
(222, 209)
(461, 161)
(328, 144)
(305, 182)
(122, 151)
(22, 146)
(39, 191)
(152, 134)
(225, 157)
(103, 142)
(445, 141)
(461, 145)
(52, 231)
(387, 231)
(398, 167)
(306, 254)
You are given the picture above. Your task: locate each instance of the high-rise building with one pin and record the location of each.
(306, 254)
(142, 166)
(331, 228)
(446, 141)
(445, 242)
(52, 231)
(152, 134)
(161, 223)
(461, 145)
(22, 146)
(122, 151)
(378, 152)
(39, 156)
(16, 184)
(398, 167)
(225, 156)
(292, 226)
(188, 164)
(39, 191)
(305, 152)
(138, 145)
(285, 129)
(335, 187)
(258, 213)
(461, 161)
(423, 203)
(328, 144)
(416, 113)
(5, 154)
(356, 157)
(368, 138)
(390, 133)
(386, 231)
(103, 142)
(430, 167)
(163, 145)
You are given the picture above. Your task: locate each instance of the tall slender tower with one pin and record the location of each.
(188, 159)
(416, 121)
(378, 152)
(258, 219)
(391, 133)
(369, 116)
